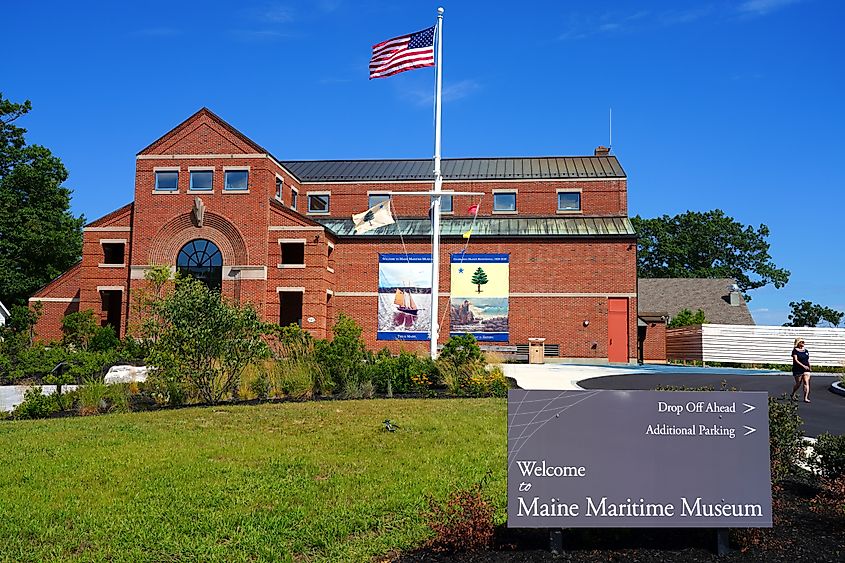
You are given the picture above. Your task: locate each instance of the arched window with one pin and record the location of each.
(201, 259)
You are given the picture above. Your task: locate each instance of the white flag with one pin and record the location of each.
(377, 216)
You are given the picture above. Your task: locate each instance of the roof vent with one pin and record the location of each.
(735, 296)
(602, 151)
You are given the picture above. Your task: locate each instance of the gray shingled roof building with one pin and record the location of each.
(668, 296)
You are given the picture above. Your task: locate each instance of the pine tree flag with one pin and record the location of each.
(377, 216)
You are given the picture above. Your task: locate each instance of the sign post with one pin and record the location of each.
(597, 459)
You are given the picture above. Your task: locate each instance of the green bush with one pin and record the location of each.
(785, 440)
(396, 374)
(104, 339)
(36, 405)
(78, 329)
(343, 358)
(91, 397)
(828, 456)
(461, 350)
(685, 317)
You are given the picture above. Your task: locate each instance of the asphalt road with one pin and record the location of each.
(825, 412)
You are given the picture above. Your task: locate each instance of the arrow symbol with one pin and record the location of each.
(750, 430)
(749, 409)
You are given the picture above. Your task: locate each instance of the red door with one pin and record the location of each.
(617, 330)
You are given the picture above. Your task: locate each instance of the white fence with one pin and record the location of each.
(748, 344)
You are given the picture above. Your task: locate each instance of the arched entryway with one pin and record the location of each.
(201, 259)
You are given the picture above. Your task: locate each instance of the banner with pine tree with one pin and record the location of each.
(479, 296)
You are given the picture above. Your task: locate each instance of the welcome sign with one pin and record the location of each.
(638, 459)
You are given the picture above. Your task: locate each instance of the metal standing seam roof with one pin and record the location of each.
(552, 167)
(495, 227)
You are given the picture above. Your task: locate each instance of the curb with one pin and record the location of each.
(837, 388)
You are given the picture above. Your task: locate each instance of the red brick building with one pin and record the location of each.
(278, 234)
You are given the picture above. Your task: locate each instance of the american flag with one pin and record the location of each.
(415, 50)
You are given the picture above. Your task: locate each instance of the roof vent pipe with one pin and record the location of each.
(735, 295)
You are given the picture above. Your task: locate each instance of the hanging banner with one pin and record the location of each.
(479, 296)
(404, 296)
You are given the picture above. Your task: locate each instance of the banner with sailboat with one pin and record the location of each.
(479, 296)
(404, 296)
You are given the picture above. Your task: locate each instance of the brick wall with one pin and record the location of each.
(654, 346)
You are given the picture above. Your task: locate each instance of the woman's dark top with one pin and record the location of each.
(803, 357)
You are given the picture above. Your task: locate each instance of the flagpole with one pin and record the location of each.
(438, 183)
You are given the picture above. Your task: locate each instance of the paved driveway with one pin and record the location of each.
(826, 412)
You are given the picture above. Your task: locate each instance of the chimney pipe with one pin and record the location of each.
(602, 151)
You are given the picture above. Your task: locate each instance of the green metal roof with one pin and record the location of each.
(495, 227)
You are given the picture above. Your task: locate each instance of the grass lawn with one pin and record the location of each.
(305, 481)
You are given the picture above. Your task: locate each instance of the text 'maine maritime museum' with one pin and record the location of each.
(552, 253)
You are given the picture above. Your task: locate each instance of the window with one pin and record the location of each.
(279, 188)
(375, 199)
(202, 260)
(569, 201)
(167, 180)
(201, 180)
(504, 201)
(113, 252)
(236, 180)
(446, 204)
(293, 253)
(293, 197)
(318, 203)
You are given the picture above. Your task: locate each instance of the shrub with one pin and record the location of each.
(260, 385)
(685, 317)
(463, 523)
(91, 397)
(79, 328)
(461, 350)
(831, 500)
(828, 456)
(104, 339)
(343, 358)
(203, 343)
(36, 404)
(397, 374)
(785, 440)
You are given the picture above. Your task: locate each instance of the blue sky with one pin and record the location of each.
(735, 105)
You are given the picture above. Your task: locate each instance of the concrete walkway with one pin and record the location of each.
(560, 376)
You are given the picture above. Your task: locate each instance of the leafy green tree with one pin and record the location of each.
(343, 358)
(204, 342)
(706, 245)
(685, 317)
(39, 236)
(479, 278)
(79, 328)
(807, 313)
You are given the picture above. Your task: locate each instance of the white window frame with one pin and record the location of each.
(378, 194)
(191, 170)
(236, 169)
(451, 211)
(280, 189)
(569, 191)
(515, 209)
(301, 241)
(294, 197)
(158, 169)
(113, 241)
(308, 203)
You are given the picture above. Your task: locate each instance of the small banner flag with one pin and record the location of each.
(415, 50)
(473, 209)
(468, 233)
(377, 216)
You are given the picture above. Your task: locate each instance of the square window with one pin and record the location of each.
(568, 201)
(293, 197)
(236, 180)
(167, 180)
(201, 180)
(446, 204)
(293, 253)
(504, 201)
(375, 199)
(318, 203)
(113, 252)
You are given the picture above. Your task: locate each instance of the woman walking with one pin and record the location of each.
(801, 369)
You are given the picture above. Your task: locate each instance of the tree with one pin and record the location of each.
(706, 245)
(807, 313)
(685, 317)
(39, 236)
(479, 278)
(204, 342)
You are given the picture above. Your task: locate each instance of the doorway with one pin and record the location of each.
(290, 308)
(617, 330)
(111, 302)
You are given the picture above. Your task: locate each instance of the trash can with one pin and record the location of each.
(536, 350)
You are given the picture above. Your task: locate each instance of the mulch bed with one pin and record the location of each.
(799, 535)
